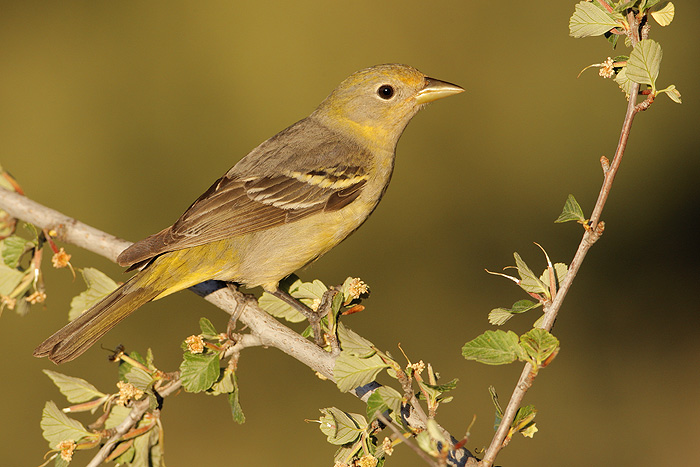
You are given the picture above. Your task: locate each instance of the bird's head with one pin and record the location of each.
(375, 104)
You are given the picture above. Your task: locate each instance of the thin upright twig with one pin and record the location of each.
(590, 236)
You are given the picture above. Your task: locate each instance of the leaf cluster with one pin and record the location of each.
(139, 446)
(604, 18)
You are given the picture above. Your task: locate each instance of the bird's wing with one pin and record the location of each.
(237, 205)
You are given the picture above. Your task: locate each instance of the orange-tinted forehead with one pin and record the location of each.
(404, 73)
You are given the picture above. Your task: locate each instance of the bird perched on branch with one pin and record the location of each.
(286, 203)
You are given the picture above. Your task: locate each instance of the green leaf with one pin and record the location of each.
(494, 348)
(279, 309)
(341, 427)
(435, 391)
(665, 15)
(624, 5)
(57, 427)
(673, 94)
(125, 367)
(354, 344)
(623, 81)
(572, 211)
(307, 292)
(645, 6)
(76, 390)
(382, 399)
(147, 450)
(644, 63)
(529, 282)
(9, 279)
(12, 249)
(560, 270)
(198, 372)
(236, 410)
(589, 20)
(351, 371)
(523, 420)
(208, 329)
(425, 442)
(444, 387)
(539, 345)
(99, 286)
(498, 316)
(224, 384)
(139, 378)
(117, 414)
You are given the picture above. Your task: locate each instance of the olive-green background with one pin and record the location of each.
(121, 113)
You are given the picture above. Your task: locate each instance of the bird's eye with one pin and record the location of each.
(385, 91)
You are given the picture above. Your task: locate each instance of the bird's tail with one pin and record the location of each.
(80, 334)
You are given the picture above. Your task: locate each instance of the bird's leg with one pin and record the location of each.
(242, 300)
(314, 317)
(325, 308)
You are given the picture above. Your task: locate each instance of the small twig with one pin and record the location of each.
(137, 411)
(423, 455)
(589, 238)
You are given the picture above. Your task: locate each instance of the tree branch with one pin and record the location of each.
(266, 329)
(593, 231)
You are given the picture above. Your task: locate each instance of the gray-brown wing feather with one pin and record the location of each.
(237, 206)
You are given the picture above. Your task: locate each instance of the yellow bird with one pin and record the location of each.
(286, 203)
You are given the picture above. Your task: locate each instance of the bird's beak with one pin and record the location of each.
(435, 89)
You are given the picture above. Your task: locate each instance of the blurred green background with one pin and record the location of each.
(122, 113)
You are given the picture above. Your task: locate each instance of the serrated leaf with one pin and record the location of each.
(139, 378)
(351, 371)
(529, 281)
(309, 290)
(12, 249)
(341, 427)
(589, 20)
(665, 15)
(571, 212)
(644, 63)
(383, 399)
(539, 344)
(57, 427)
(498, 316)
(99, 286)
(353, 343)
(279, 309)
(198, 372)
(623, 81)
(208, 329)
(76, 390)
(494, 348)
